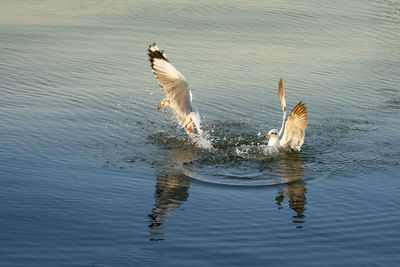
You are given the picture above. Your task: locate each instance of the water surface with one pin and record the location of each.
(92, 174)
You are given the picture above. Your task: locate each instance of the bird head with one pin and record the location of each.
(272, 133)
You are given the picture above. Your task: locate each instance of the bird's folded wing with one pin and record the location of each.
(296, 124)
(170, 80)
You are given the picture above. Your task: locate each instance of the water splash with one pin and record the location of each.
(256, 151)
(197, 122)
(203, 141)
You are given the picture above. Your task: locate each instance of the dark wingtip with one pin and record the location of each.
(155, 53)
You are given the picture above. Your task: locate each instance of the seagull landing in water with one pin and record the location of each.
(176, 89)
(291, 135)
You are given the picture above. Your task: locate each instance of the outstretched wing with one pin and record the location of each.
(281, 94)
(295, 128)
(171, 81)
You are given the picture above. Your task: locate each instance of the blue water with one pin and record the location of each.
(91, 174)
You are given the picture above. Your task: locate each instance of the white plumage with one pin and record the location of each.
(292, 132)
(176, 89)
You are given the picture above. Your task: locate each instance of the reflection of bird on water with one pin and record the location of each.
(292, 171)
(292, 132)
(297, 200)
(171, 191)
(178, 95)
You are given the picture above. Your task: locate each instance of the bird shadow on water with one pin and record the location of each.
(184, 162)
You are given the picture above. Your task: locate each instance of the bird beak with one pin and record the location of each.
(267, 135)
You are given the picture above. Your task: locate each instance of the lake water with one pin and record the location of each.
(91, 174)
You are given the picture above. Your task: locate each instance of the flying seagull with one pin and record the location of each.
(292, 132)
(176, 89)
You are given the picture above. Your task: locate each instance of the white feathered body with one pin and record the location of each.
(176, 89)
(292, 134)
